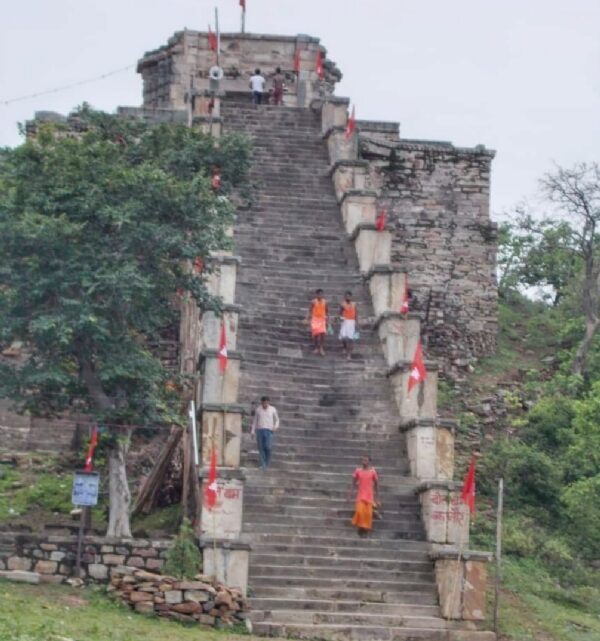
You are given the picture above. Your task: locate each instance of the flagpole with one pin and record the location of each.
(498, 580)
(218, 36)
(244, 19)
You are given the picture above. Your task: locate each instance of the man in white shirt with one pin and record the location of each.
(257, 84)
(265, 422)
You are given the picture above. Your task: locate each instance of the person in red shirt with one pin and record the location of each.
(318, 316)
(365, 483)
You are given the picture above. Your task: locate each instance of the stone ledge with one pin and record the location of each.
(450, 486)
(453, 552)
(227, 260)
(227, 473)
(230, 307)
(225, 544)
(361, 193)
(384, 269)
(367, 227)
(444, 146)
(403, 366)
(347, 163)
(213, 353)
(412, 423)
(336, 129)
(229, 408)
(383, 126)
(215, 120)
(396, 316)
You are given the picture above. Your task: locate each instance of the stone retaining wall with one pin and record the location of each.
(53, 557)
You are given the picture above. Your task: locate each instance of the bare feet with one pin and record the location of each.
(322, 351)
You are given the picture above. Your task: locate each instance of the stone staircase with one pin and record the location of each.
(310, 575)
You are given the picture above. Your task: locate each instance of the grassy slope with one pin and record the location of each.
(59, 613)
(534, 605)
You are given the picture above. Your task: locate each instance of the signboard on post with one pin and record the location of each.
(86, 486)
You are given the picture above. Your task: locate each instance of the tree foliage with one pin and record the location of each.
(96, 230)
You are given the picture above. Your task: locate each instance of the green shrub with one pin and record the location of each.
(183, 559)
(582, 505)
(548, 424)
(519, 537)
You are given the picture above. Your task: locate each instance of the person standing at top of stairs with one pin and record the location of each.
(265, 422)
(278, 86)
(318, 315)
(365, 481)
(257, 84)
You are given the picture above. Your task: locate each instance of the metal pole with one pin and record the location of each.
(498, 555)
(80, 542)
(194, 434)
(218, 37)
(190, 104)
(243, 20)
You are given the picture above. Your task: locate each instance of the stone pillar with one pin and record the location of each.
(221, 279)
(430, 445)
(373, 247)
(217, 386)
(399, 334)
(445, 515)
(358, 207)
(227, 561)
(340, 148)
(221, 428)
(212, 125)
(387, 285)
(421, 401)
(348, 175)
(334, 113)
(461, 579)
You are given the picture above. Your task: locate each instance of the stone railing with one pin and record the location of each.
(430, 439)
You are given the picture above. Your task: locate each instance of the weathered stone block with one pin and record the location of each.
(229, 566)
(224, 521)
(113, 559)
(399, 337)
(20, 563)
(421, 401)
(222, 430)
(98, 571)
(373, 247)
(173, 596)
(217, 386)
(46, 567)
(357, 209)
(474, 597)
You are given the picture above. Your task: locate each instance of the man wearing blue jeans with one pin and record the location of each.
(265, 422)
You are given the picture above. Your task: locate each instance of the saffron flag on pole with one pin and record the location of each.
(212, 488)
(319, 66)
(297, 61)
(418, 372)
(380, 221)
(222, 354)
(90, 453)
(404, 306)
(351, 124)
(468, 491)
(212, 40)
(243, 4)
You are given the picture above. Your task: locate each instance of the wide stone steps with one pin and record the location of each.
(328, 606)
(310, 575)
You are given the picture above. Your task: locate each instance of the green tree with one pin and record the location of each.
(96, 229)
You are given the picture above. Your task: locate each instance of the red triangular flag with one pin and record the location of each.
(468, 491)
(418, 372)
(90, 453)
(319, 66)
(212, 488)
(380, 221)
(212, 40)
(404, 306)
(222, 354)
(350, 125)
(297, 61)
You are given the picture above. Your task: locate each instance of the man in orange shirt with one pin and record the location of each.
(317, 315)
(365, 482)
(349, 318)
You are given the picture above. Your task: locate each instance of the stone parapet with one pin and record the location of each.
(445, 515)
(430, 445)
(373, 247)
(227, 561)
(461, 577)
(358, 207)
(421, 401)
(340, 147)
(221, 429)
(217, 386)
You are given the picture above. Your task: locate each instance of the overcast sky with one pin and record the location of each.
(520, 76)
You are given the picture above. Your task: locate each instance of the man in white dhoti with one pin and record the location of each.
(349, 318)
